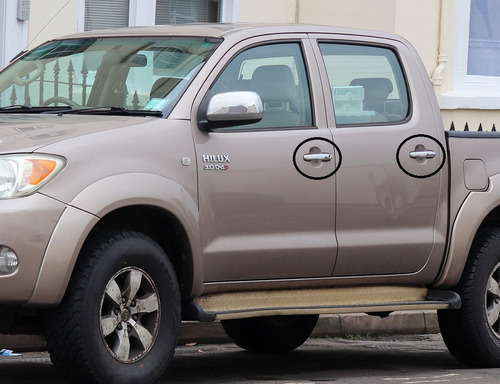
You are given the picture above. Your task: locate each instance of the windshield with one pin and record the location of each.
(140, 74)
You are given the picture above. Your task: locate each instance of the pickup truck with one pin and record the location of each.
(258, 175)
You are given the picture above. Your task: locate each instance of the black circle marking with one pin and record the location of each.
(320, 177)
(421, 176)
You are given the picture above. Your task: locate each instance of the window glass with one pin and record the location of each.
(182, 11)
(484, 38)
(133, 73)
(106, 14)
(277, 73)
(366, 82)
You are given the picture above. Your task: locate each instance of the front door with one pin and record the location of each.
(266, 202)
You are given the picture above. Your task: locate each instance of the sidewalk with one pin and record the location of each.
(417, 322)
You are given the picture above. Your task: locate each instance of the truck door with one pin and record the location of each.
(391, 195)
(267, 204)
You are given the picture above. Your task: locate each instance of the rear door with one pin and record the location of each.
(391, 211)
(267, 205)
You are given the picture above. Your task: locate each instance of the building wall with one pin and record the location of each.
(381, 15)
(51, 19)
(430, 25)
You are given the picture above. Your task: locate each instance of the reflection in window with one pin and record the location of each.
(133, 73)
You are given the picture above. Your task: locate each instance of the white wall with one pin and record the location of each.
(51, 19)
(417, 21)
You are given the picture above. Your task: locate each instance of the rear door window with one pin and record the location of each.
(367, 84)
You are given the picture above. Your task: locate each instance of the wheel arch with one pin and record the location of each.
(167, 214)
(479, 210)
(161, 226)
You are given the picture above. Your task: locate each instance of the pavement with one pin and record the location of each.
(349, 325)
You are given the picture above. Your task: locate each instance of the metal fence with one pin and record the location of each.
(479, 129)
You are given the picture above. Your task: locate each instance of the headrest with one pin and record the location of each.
(274, 83)
(379, 86)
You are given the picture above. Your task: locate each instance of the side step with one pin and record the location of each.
(235, 305)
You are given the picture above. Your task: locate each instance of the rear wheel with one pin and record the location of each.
(272, 333)
(120, 317)
(472, 333)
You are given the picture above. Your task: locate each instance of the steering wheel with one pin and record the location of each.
(60, 99)
(40, 68)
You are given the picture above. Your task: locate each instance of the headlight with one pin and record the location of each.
(23, 175)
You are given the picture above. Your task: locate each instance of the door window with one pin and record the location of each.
(367, 84)
(277, 73)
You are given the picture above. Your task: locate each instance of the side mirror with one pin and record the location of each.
(231, 109)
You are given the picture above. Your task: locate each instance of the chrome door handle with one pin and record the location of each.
(422, 154)
(318, 156)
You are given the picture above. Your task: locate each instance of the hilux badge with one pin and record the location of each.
(215, 162)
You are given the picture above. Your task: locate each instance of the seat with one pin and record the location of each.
(377, 89)
(276, 87)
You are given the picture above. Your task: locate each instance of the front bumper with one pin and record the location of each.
(26, 225)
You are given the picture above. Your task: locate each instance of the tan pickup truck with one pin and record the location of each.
(258, 175)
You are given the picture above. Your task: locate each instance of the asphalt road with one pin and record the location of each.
(382, 360)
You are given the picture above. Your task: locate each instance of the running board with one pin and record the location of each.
(236, 305)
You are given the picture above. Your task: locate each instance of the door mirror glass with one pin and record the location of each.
(235, 107)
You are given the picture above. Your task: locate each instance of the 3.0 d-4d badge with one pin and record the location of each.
(213, 161)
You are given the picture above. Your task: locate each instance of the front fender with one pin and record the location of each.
(471, 215)
(93, 203)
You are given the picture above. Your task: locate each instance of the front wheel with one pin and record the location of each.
(120, 317)
(472, 333)
(270, 333)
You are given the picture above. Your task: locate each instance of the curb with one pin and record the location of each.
(397, 323)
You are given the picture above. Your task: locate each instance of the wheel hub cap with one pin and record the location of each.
(129, 315)
(492, 301)
(125, 315)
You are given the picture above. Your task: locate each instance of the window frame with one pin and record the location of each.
(13, 33)
(400, 80)
(142, 12)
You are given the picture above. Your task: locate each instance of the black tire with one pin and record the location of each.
(472, 333)
(119, 319)
(270, 334)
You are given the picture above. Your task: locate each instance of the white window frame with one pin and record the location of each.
(230, 12)
(13, 32)
(469, 92)
(142, 12)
